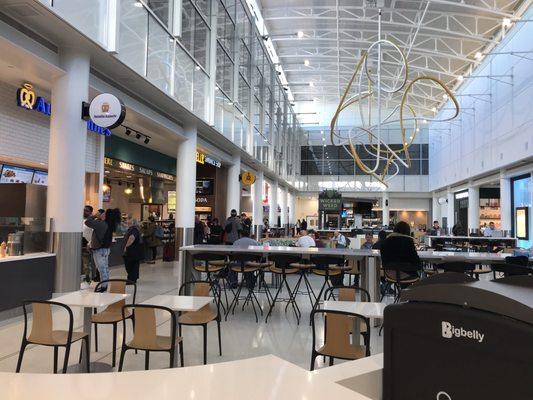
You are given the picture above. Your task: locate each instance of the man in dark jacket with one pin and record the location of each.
(100, 244)
(399, 248)
(232, 227)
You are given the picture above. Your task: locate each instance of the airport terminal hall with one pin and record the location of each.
(266, 199)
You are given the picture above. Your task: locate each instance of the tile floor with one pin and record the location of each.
(242, 337)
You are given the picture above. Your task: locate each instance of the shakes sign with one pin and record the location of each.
(330, 200)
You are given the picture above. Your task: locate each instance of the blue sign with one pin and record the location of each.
(26, 99)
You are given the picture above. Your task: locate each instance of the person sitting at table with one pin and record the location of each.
(369, 241)
(243, 242)
(399, 248)
(340, 239)
(458, 230)
(489, 230)
(382, 235)
(307, 239)
(435, 230)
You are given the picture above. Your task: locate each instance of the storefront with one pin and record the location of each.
(522, 224)
(461, 209)
(210, 179)
(489, 207)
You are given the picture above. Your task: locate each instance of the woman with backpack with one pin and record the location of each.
(153, 235)
(133, 250)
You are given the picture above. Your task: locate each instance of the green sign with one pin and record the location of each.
(330, 200)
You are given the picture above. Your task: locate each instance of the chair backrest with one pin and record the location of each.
(457, 266)
(326, 261)
(145, 328)
(42, 321)
(517, 260)
(346, 293)
(202, 288)
(512, 269)
(337, 330)
(283, 260)
(118, 286)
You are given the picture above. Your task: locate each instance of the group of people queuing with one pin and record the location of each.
(97, 238)
(212, 232)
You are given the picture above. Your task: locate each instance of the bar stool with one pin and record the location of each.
(401, 275)
(242, 263)
(113, 313)
(44, 334)
(304, 268)
(282, 267)
(213, 263)
(145, 335)
(327, 267)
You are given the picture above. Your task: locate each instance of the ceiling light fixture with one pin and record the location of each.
(146, 140)
(138, 4)
(138, 136)
(434, 109)
(460, 78)
(506, 22)
(306, 63)
(445, 96)
(311, 84)
(478, 56)
(300, 34)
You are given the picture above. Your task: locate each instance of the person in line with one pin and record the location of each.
(86, 257)
(298, 227)
(103, 227)
(133, 250)
(151, 237)
(233, 228)
(303, 225)
(489, 230)
(246, 223)
(243, 242)
(435, 230)
(199, 231)
(382, 235)
(458, 230)
(307, 239)
(215, 236)
(369, 241)
(399, 247)
(340, 239)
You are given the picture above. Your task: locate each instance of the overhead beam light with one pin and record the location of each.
(506, 22)
(300, 34)
(138, 4)
(478, 56)
(306, 63)
(460, 78)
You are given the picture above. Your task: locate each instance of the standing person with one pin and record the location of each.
(246, 223)
(101, 239)
(298, 227)
(86, 257)
(152, 238)
(232, 228)
(133, 250)
(303, 225)
(199, 231)
(215, 236)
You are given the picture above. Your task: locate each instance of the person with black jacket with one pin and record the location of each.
(100, 244)
(216, 231)
(399, 248)
(133, 250)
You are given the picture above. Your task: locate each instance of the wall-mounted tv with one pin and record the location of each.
(522, 223)
(205, 186)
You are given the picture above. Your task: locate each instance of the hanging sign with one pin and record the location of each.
(247, 178)
(107, 110)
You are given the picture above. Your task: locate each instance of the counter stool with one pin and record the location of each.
(145, 335)
(304, 268)
(327, 267)
(282, 267)
(112, 315)
(213, 264)
(245, 264)
(43, 333)
(401, 275)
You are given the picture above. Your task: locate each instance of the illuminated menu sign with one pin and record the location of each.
(202, 158)
(122, 165)
(16, 175)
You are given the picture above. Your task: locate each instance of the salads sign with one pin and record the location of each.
(26, 98)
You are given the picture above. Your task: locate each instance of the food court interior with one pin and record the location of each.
(266, 199)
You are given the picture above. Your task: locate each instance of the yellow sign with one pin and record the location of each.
(26, 96)
(248, 178)
(200, 157)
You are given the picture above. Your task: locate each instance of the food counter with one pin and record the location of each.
(479, 243)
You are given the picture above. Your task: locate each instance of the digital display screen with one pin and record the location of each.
(16, 175)
(40, 178)
(205, 186)
(522, 222)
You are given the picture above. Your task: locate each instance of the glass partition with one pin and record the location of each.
(132, 37)
(24, 235)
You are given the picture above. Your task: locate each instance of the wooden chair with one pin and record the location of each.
(113, 313)
(145, 335)
(337, 333)
(43, 332)
(206, 314)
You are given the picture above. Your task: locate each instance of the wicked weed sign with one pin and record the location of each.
(330, 200)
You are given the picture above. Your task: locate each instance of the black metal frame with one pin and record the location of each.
(398, 268)
(315, 353)
(206, 258)
(67, 345)
(215, 288)
(172, 349)
(323, 263)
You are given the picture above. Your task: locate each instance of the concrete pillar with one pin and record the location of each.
(385, 208)
(473, 209)
(186, 187)
(292, 209)
(66, 166)
(257, 193)
(284, 209)
(450, 214)
(273, 202)
(506, 208)
(435, 210)
(233, 186)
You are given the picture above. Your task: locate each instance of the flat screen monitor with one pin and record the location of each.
(363, 207)
(12, 174)
(522, 223)
(205, 186)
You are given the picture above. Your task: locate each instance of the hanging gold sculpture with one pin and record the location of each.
(374, 144)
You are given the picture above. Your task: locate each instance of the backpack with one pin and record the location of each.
(159, 232)
(348, 241)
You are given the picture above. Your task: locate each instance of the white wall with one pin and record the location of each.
(491, 132)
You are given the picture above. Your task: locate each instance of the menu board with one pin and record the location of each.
(40, 178)
(171, 203)
(16, 175)
(522, 223)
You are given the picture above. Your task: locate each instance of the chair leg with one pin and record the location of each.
(146, 360)
(122, 354)
(181, 353)
(96, 337)
(87, 359)
(172, 354)
(205, 343)
(55, 359)
(273, 303)
(219, 338)
(114, 357)
(313, 358)
(331, 361)
(67, 354)
(21, 354)
(133, 328)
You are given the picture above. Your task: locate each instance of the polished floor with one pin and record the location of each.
(242, 337)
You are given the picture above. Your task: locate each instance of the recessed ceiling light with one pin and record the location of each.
(506, 22)
(311, 84)
(445, 96)
(418, 129)
(300, 34)
(197, 68)
(138, 4)
(424, 121)
(306, 63)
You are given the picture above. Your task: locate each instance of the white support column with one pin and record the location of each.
(233, 186)
(506, 208)
(101, 168)
(284, 208)
(273, 202)
(66, 166)
(450, 210)
(385, 208)
(292, 208)
(257, 189)
(473, 208)
(435, 209)
(186, 187)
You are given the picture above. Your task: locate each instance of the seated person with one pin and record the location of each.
(244, 241)
(435, 230)
(382, 235)
(369, 242)
(340, 239)
(489, 230)
(399, 248)
(307, 239)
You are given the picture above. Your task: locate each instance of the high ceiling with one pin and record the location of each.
(320, 41)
